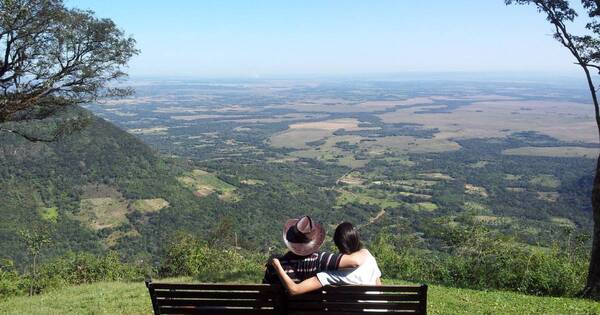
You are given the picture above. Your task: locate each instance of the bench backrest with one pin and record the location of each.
(361, 299)
(171, 298)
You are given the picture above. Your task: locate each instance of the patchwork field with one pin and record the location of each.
(298, 135)
(205, 183)
(318, 140)
(367, 198)
(102, 207)
(443, 150)
(374, 189)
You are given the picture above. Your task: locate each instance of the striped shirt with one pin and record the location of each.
(300, 268)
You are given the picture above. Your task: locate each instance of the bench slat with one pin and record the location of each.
(214, 311)
(213, 295)
(192, 302)
(350, 297)
(357, 305)
(368, 288)
(399, 312)
(216, 286)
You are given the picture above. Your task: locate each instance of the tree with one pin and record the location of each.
(586, 51)
(35, 240)
(52, 57)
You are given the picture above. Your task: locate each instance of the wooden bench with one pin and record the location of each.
(172, 298)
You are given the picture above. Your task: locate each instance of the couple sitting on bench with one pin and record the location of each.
(304, 268)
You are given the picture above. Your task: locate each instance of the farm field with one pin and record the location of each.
(590, 153)
(204, 183)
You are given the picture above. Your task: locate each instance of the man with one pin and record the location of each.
(303, 237)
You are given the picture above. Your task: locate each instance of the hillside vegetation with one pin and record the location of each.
(90, 191)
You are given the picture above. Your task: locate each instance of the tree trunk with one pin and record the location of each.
(592, 289)
(34, 277)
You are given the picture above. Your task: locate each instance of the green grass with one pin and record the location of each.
(347, 197)
(475, 207)
(49, 214)
(149, 205)
(201, 180)
(132, 298)
(103, 212)
(400, 160)
(98, 298)
(424, 206)
(546, 181)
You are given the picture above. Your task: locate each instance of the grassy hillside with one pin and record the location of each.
(132, 298)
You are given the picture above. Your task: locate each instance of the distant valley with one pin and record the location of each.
(398, 156)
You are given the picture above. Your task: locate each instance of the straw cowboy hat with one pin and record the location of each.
(303, 236)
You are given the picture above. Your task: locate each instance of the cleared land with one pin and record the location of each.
(562, 120)
(205, 183)
(49, 214)
(317, 140)
(339, 105)
(100, 213)
(564, 152)
(149, 205)
(371, 189)
(366, 197)
(475, 207)
(153, 130)
(298, 135)
(545, 181)
(405, 144)
(476, 190)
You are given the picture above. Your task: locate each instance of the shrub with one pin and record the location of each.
(70, 269)
(10, 282)
(79, 268)
(189, 257)
(478, 259)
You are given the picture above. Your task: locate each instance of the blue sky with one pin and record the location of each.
(329, 37)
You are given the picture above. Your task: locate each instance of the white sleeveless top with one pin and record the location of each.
(365, 274)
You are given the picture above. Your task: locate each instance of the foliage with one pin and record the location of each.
(71, 269)
(476, 258)
(585, 49)
(53, 57)
(188, 256)
(10, 282)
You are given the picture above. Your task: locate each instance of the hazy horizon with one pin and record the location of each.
(334, 38)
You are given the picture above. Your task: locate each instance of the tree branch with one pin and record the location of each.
(29, 137)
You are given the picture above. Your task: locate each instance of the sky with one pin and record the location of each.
(255, 39)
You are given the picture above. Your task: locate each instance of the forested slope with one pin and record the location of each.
(102, 189)
(86, 191)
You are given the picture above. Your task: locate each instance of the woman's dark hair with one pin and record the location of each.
(346, 238)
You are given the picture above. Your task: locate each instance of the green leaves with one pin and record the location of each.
(51, 56)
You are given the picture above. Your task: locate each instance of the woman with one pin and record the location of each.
(365, 271)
